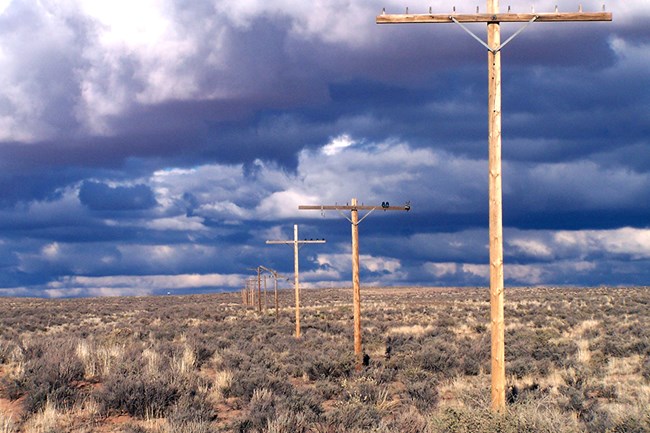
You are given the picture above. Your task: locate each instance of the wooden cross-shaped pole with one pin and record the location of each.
(354, 209)
(275, 290)
(250, 291)
(296, 246)
(259, 287)
(493, 18)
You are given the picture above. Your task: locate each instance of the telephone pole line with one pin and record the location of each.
(494, 18)
(297, 244)
(354, 209)
(275, 275)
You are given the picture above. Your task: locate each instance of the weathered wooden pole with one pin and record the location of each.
(275, 289)
(493, 18)
(296, 278)
(354, 208)
(498, 374)
(296, 246)
(259, 289)
(275, 276)
(266, 300)
(251, 287)
(356, 286)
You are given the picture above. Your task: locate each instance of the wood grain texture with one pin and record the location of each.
(488, 18)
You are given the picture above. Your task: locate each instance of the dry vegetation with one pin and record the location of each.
(577, 361)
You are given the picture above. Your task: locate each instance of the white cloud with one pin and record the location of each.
(119, 56)
(379, 264)
(482, 271)
(31, 54)
(137, 285)
(531, 247)
(343, 263)
(141, 54)
(162, 256)
(337, 144)
(524, 274)
(320, 275)
(51, 251)
(624, 241)
(441, 269)
(283, 204)
(16, 291)
(632, 56)
(223, 210)
(178, 223)
(4, 4)
(332, 21)
(180, 281)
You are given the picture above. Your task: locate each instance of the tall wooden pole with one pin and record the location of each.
(356, 286)
(498, 389)
(493, 18)
(252, 290)
(296, 246)
(275, 288)
(275, 276)
(296, 278)
(266, 300)
(259, 289)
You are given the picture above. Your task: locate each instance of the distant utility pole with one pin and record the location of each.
(257, 269)
(266, 302)
(494, 46)
(275, 275)
(354, 209)
(297, 244)
(259, 289)
(250, 291)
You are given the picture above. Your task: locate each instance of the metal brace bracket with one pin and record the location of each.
(500, 47)
(360, 219)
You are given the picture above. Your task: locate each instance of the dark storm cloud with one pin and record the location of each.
(102, 197)
(150, 145)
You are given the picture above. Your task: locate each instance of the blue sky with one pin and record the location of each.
(154, 146)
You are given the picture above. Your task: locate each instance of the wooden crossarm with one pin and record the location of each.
(304, 241)
(492, 18)
(357, 207)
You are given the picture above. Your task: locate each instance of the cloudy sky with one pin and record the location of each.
(152, 146)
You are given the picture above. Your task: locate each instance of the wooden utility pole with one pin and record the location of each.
(297, 244)
(257, 282)
(249, 289)
(275, 275)
(354, 209)
(259, 289)
(493, 18)
(266, 301)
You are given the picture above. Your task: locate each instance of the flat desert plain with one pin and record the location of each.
(577, 360)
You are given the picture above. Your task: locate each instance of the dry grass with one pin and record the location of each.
(47, 420)
(578, 360)
(412, 330)
(7, 424)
